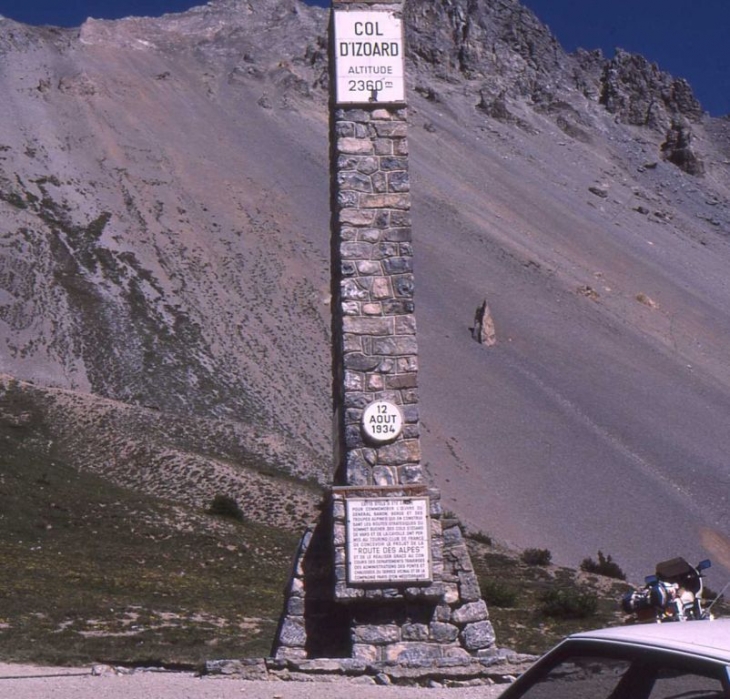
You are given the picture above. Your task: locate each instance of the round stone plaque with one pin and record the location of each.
(382, 421)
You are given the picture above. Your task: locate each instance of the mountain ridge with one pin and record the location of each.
(182, 262)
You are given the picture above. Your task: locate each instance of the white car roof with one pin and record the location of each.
(709, 638)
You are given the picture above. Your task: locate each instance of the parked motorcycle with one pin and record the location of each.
(673, 593)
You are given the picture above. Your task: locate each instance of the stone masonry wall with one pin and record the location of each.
(377, 355)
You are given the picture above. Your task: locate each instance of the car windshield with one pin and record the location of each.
(588, 671)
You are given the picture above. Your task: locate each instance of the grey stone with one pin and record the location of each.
(376, 635)
(470, 613)
(398, 265)
(416, 632)
(444, 633)
(293, 634)
(469, 587)
(478, 635)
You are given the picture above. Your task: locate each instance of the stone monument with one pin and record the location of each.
(384, 577)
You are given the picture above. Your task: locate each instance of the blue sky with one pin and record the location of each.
(688, 38)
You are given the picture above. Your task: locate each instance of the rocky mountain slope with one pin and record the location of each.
(164, 249)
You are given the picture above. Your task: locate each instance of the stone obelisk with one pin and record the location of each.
(383, 578)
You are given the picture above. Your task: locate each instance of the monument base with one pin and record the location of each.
(442, 620)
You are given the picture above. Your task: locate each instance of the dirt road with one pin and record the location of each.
(30, 682)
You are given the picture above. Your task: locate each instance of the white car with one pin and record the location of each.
(687, 660)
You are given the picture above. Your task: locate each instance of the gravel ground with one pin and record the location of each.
(31, 682)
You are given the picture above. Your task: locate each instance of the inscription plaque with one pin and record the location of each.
(382, 421)
(369, 57)
(388, 540)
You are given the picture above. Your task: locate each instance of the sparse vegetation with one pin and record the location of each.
(605, 566)
(499, 593)
(569, 603)
(226, 506)
(537, 557)
(94, 571)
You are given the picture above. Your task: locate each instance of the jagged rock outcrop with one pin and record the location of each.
(677, 149)
(500, 44)
(639, 93)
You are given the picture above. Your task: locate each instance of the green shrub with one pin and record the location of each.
(537, 557)
(225, 506)
(499, 594)
(568, 604)
(481, 537)
(605, 566)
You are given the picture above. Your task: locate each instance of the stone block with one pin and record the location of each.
(357, 217)
(357, 470)
(374, 383)
(381, 115)
(355, 181)
(398, 182)
(368, 165)
(404, 284)
(350, 290)
(386, 366)
(409, 397)
(442, 632)
(393, 129)
(349, 162)
(353, 381)
(360, 116)
(469, 587)
(348, 199)
(383, 146)
(410, 473)
(451, 593)
(412, 654)
(393, 164)
(376, 635)
(452, 533)
(385, 201)
(293, 633)
(382, 289)
(369, 267)
(381, 218)
(470, 613)
(360, 362)
(400, 147)
(401, 219)
(356, 250)
(385, 475)
(355, 146)
(295, 606)
(370, 235)
(366, 652)
(345, 129)
(368, 326)
(372, 309)
(398, 307)
(383, 250)
(478, 636)
(442, 613)
(348, 268)
(399, 265)
(395, 346)
(407, 364)
(380, 183)
(397, 381)
(416, 632)
(350, 308)
(339, 535)
(338, 505)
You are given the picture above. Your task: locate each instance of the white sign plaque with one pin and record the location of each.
(388, 540)
(382, 421)
(369, 60)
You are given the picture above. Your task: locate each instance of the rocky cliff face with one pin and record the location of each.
(164, 244)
